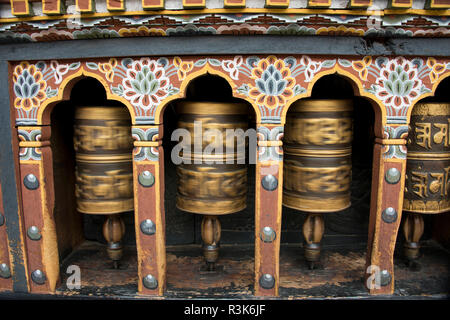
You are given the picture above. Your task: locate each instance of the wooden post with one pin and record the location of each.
(268, 209)
(388, 181)
(36, 176)
(5, 265)
(148, 177)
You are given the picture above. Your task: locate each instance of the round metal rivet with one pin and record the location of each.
(267, 234)
(146, 179)
(4, 271)
(150, 282)
(31, 182)
(389, 215)
(267, 281)
(2, 219)
(269, 182)
(38, 277)
(148, 227)
(385, 278)
(34, 233)
(393, 176)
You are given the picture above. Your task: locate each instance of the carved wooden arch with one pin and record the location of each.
(358, 90)
(429, 94)
(194, 75)
(65, 88)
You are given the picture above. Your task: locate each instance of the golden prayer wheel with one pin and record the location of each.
(317, 163)
(212, 176)
(104, 174)
(427, 183)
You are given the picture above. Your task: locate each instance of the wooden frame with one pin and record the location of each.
(270, 121)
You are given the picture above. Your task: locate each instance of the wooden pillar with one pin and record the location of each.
(148, 177)
(268, 209)
(388, 181)
(5, 261)
(36, 177)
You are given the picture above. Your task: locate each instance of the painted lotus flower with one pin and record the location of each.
(398, 83)
(273, 83)
(29, 86)
(146, 83)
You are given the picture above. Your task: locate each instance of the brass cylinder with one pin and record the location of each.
(211, 179)
(317, 155)
(103, 155)
(427, 184)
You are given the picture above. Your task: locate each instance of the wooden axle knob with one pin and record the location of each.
(113, 231)
(313, 229)
(413, 230)
(211, 232)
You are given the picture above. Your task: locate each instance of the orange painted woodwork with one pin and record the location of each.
(20, 7)
(194, 4)
(277, 3)
(85, 6)
(234, 3)
(360, 3)
(319, 3)
(115, 5)
(403, 4)
(152, 4)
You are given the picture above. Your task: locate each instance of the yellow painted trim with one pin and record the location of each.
(235, 11)
(399, 5)
(311, 3)
(80, 73)
(148, 143)
(30, 161)
(196, 5)
(33, 144)
(114, 9)
(275, 4)
(432, 4)
(337, 69)
(49, 245)
(88, 10)
(20, 14)
(154, 7)
(226, 4)
(355, 5)
(207, 69)
(57, 11)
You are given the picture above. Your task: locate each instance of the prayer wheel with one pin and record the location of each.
(427, 183)
(103, 174)
(212, 175)
(317, 164)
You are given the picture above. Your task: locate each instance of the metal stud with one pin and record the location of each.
(146, 179)
(393, 176)
(150, 282)
(389, 215)
(31, 182)
(34, 233)
(267, 281)
(267, 234)
(4, 271)
(385, 278)
(269, 182)
(2, 219)
(148, 227)
(38, 276)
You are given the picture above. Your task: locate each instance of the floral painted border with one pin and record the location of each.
(269, 83)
